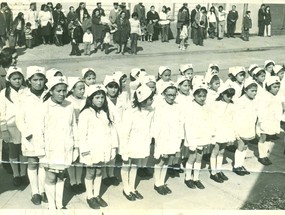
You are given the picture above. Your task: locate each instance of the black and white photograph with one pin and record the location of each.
(142, 107)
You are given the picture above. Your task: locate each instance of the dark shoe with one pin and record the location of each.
(74, 188)
(25, 180)
(144, 172)
(71, 54)
(117, 52)
(268, 161)
(131, 197)
(245, 170)
(263, 161)
(36, 199)
(114, 181)
(81, 188)
(63, 208)
(216, 178)
(190, 184)
(95, 50)
(231, 148)
(78, 54)
(172, 173)
(239, 171)
(222, 176)
(160, 190)
(137, 195)
(166, 188)
(199, 184)
(93, 203)
(101, 201)
(44, 197)
(17, 181)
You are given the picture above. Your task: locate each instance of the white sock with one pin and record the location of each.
(262, 150)
(188, 171)
(197, 167)
(15, 166)
(213, 165)
(238, 157)
(33, 177)
(78, 174)
(156, 175)
(89, 188)
(243, 157)
(97, 185)
(50, 191)
(71, 173)
(42, 177)
(125, 178)
(23, 165)
(59, 187)
(163, 175)
(132, 177)
(219, 162)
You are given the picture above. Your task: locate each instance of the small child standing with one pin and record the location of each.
(75, 39)
(150, 30)
(183, 36)
(135, 32)
(246, 25)
(58, 35)
(87, 40)
(109, 30)
(28, 35)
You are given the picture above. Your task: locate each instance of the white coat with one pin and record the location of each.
(238, 89)
(167, 128)
(45, 17)
(8, 111)
(183, 99)
(198, 125)
(96, 136)
(212, 96)
(78, 104)
(135, 136)
(58, 134)
(27, 120)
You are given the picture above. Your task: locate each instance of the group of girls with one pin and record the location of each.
(54, 123)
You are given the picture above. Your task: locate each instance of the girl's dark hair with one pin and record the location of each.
(88, 73)
(9, 86)
(135, 14)
(214, 78)
(43, 6)
(269, 64)
(229, 92)
(29, 80)
(170, 87)
(138, 104)
(273, 73)
(121, 81)
(6, 56)
(71, 7)
(258, 74)
(215, 67)
(248, 87)
(199, 91)
(269, 87)
(233, 78)
(105, 108)
(159, 76)
(28, 24)
(182, 83)
(114, 84)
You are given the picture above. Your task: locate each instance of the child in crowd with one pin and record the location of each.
(246, 25)
(135, 32)
(109, 30)
(52, 73)
(75, 38)
(28, 35)
(183, 37)
(88, 76)
(150, 30)
(268, 67)
(87, 40)
(164, 75)
(58, 35)
(18, 28)
(135, 77)
(214, 83)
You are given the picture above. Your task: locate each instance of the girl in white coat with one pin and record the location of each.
(76, 90)
(248, 105)
(168, 135)
(89, 76)
(30, 105)
(268, 67)
(57, 138)
(269, 117)
(224, 132)
(214, 83)
(96, 123)
(9, 99)
(164, 75)
(136, 139)
(198, 134)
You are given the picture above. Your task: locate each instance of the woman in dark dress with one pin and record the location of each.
(122, 35)
(97, 29)
(152, 19)
(60, 19)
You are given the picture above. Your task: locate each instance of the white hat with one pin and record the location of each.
(208, 77)
(268, 62)
(143, 92)
(248, 82)
(55, 80)
(236, 69)
(165, 85)
(118, 74)
(184, 67)
(72, 81)
(84, 70)
(198, 79)
(210, 67)
(32, 70)
(256, 70)
(272, 80)
(225, 87)
(136, 72)
(181, 79)
(278, 68)
(252, 67)
(11, 70)
(162, 69)
(200, 86)
(51, 72)
(147, 78)
(94, 88)
(110, 78)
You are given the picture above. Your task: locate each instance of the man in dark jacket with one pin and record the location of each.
(193, 14)
(6, 20)
(261, 20)
(231, 21)
(140, 10)
(75, 39)
(81, 10)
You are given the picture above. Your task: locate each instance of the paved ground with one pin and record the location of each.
(231, 195)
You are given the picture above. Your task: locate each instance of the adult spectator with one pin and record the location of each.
(6, 20)
(97, 28)
(121, 36)
(100, 9)
(267, 22)
(192, 17)
(50, 7)
(231, 21)
(221, 17)
(46, 22)
(60, 20)
(114, 13)
(18, 31)
(72, 15)
(261, 20)
(32, 17)
(3, 28)
(140, 10)
(212, 21)
(86, 23)
(164, 24)
(182, 18)
(124, 8)
(199, 26)
(152, 19)
(81, 10)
